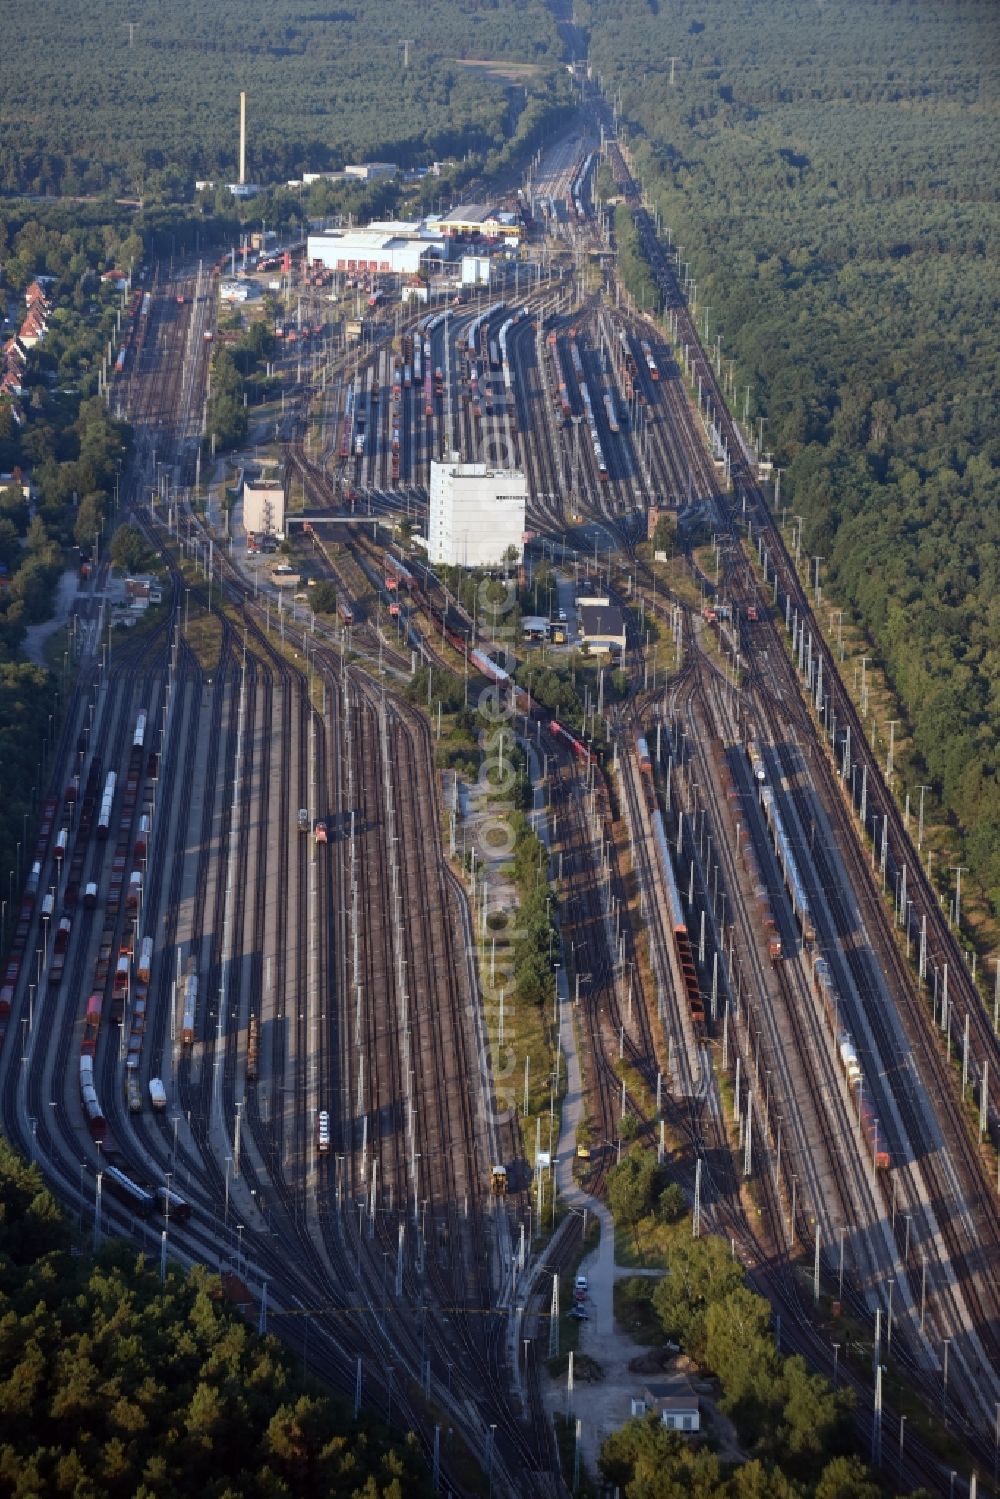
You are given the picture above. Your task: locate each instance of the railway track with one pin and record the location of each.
(872, 905)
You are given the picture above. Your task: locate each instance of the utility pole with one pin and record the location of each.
(817, 561)
(920, 819)
(891, 726)
(696, 1216)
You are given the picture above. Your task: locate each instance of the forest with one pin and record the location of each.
(114, 1383)
(826, 171)
(145, 99)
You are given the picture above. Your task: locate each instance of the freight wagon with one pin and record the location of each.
(678, 924)
(190, 1009)
(107, 802)
(145, 960)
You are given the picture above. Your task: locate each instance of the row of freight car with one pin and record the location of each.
(25, 916)
(129, 991)
(133, 1195)
(563, 401)
(823, 982)
(751, 865)
(579, 186)
(825, 988)
(412, 367)
(787, 860)
(145, 1200)
(135, 321)
(683, 950)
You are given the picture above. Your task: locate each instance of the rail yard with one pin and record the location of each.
(243, 1009)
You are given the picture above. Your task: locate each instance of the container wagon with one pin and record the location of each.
(190, 1009)
(107, 801)
(253, 1049)
(123, 967)
(145, 960)
(92, 1111)
(142, 837)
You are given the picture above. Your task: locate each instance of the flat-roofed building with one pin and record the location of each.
(263, 507)
(372, 171)
(476, 514)
(375, 250)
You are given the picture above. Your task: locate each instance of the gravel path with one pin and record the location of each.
(37, 635)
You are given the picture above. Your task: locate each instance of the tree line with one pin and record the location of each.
(115, 1383)
(825, 183)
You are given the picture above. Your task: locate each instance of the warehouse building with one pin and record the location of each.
(371, 171)
(400, 249)
(476, 514)
(263, 508)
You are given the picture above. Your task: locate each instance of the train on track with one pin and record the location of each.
(107, 803)
(190, 1010)
(253, 1049)
(751, 866)
(143, 1201)
(580, 750)
(675, 906)
(678, 923)
(825, 988)
(787, 860)
(120, 975)
(25, 914)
